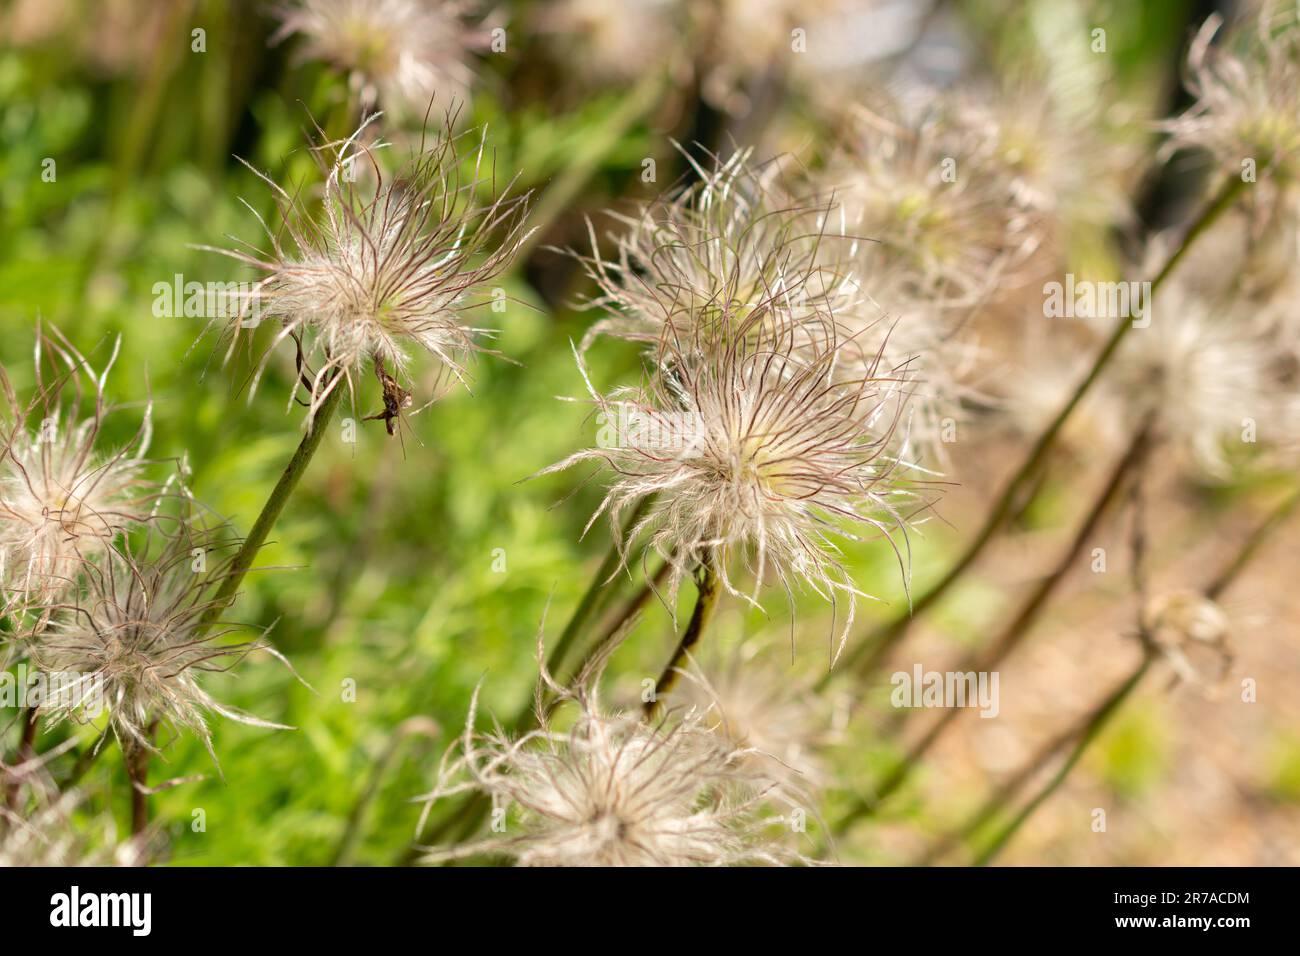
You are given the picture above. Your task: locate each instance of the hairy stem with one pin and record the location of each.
(706, 601)
(137, 771)
(275, 503)
(870, 652)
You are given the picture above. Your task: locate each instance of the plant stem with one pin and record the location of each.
(870, 652)
(706, 601)
(275, 503)
(1276, 518)
(137, 772)
(1231, 571)
(1005, 791)
(1092, 728)
(1016, 629)
(596, 593)
(630, 609)
(421, 726)
(471, 809)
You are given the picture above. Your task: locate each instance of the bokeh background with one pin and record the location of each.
(418, 567)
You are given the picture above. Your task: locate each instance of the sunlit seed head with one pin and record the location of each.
(135, 638)
(751, 448)
(386, 265)
(736, 244)
(933, 213)
(1247, 98)
(603, 41)
(613, 790)
(64, 495)
(1209, 378)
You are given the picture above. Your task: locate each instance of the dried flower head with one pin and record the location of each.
(603, 41)
(1209, 378)
(735, 244)
(1247, 91)
(388, 263)
(757, 705)
(932, 206)
(396, 53)
(137, 640)
(612, 790)
(1193, 633)
(64, 498)
(750, 442)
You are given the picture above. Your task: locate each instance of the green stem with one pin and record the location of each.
(1248, 551)
(1015, 630)
(1276, 518)
(593, 598)
(472, 812)
(275, 503)
(472, 808)
(870, 652)
(1096, 723)
(706, 602)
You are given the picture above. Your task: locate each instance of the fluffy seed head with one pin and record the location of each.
(759, 707)
(932, 207)
(396, 53)
(136, 639)
(1247, 93)
(612, 790)
(752, 446)
(1210, 379)
(64, 498)
(736, 244)
(388, 264)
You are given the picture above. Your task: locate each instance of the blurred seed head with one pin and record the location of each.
(136, 629)
(1206, 374)
(39, 827)
(1194, 634)
(758, 705)
(932, 208)
(396, 53)
(602, 41)
(612, 790)
(385, 264)
(1247, 91)
(64, 497)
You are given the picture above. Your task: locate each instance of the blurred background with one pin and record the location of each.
(412, 567)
